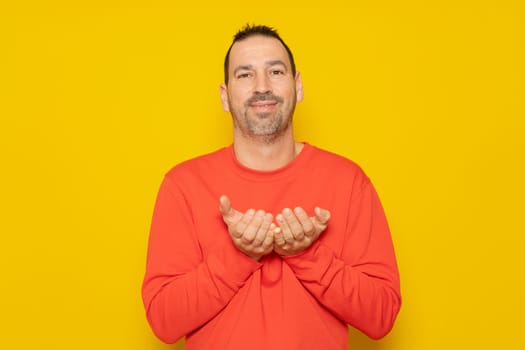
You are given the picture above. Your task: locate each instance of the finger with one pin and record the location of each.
(285, 229)
(322, 215)
(238, 229)
(253, 227)
(295, 226)
(225, 205)
(263, 230)
(306, 222)
(268, 239)
(278, 236)
(229, 214)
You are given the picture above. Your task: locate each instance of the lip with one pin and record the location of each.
(264, 106)
(263, 103)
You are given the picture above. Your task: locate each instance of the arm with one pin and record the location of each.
(183, 289)
(360, 287)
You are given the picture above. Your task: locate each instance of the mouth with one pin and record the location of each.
(263, 106)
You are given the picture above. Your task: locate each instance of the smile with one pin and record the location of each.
(263, 105)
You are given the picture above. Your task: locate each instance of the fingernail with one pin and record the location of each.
(287, 212)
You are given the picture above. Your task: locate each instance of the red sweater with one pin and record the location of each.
(198, 285)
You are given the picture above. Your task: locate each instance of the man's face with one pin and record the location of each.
(262, 92)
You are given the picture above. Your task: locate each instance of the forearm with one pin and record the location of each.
(178, 304)
(365, 296)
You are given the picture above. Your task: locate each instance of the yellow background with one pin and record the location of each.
(100, 98)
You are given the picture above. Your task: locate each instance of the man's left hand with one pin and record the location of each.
(297, 231)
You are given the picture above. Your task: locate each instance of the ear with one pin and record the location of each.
(299, 93)
(224, 98)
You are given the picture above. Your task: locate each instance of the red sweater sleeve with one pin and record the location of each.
(360, 287)
(182, 290)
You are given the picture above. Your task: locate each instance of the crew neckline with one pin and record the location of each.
(268, 175)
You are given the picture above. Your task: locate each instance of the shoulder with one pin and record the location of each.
(204, 163)
(333, 160)
(336, 167)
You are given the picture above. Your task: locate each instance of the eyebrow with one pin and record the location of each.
(276, 63)
(268, 63)
(243, 67)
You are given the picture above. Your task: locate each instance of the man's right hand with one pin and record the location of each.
(251, 232)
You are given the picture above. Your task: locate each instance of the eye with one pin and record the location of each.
(277, 72)
(243, 75)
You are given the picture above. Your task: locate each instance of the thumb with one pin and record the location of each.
(229, 215)
(225, 205)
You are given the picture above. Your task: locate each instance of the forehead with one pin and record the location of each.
(258, 49)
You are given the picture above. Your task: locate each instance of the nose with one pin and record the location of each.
(262, 84)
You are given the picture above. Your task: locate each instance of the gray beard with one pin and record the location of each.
(263, 130)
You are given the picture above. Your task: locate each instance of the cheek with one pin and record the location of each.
(289, 96)
(285, 89)
(238, 99)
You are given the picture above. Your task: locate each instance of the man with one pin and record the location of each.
(299, 246)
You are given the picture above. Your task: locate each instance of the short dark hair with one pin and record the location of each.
(253, 30)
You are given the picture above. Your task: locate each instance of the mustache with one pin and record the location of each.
(263, 97)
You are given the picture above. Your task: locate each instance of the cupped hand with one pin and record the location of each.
(251, 232)
(297, 231)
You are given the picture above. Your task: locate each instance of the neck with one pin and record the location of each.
(266, 156)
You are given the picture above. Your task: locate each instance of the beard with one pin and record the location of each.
(263, 123)
(263, 126)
